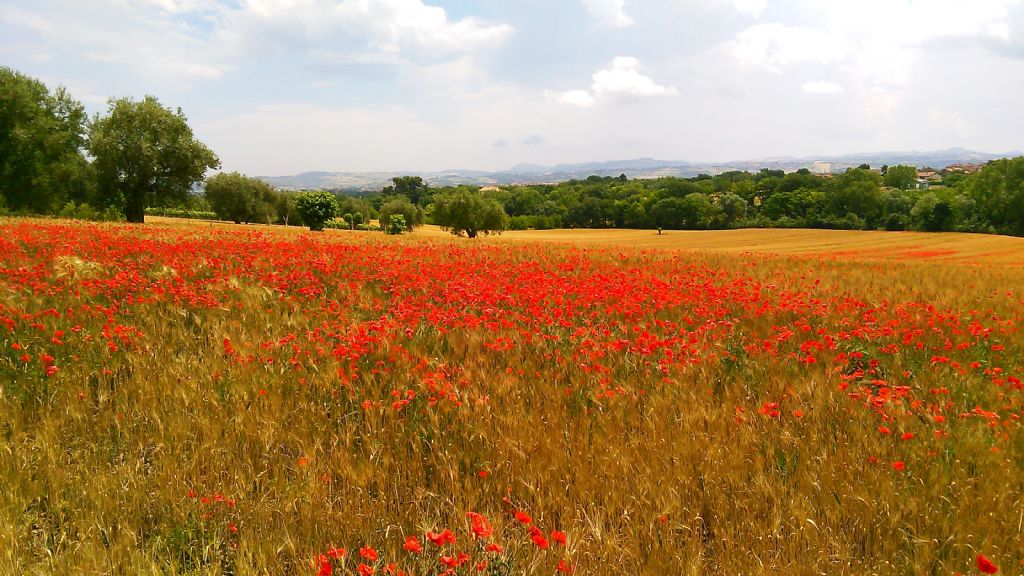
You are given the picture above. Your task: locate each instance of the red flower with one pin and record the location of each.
(899, 466)
(564, 567)
(986, 566)
(558, 536)
(412, 544)
(496, 548)
(481, 528)
(369, 553)
(538, 537)
(523, 517)
(365, 570)
(443, 538)
(326, 569)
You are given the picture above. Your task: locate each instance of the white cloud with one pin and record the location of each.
(610, 12)
(621, 80)
(879, 41)
(624, 78)
(410, 29)
(750, 7)
(186, 40)
(580, 98)
(822, 87)
(775, 46)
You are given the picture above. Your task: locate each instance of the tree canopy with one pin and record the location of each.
(241, 199)
(144, 154)
(468, 212)
(42, 135)
(316, 208)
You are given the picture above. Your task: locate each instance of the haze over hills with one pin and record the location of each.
(636, 168)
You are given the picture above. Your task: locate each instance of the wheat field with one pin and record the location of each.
(188, 398)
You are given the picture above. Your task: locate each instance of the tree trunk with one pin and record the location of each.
(471, 233)
(134, 209)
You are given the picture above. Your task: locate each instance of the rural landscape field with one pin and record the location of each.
(182, 398)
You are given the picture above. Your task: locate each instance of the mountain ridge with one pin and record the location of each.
(528, 173)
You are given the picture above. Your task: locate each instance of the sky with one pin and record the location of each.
(279, 87)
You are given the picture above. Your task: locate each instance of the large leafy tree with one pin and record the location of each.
(145, 154)
(240, 198)
(42, 135)
(902, 177)
(412, 187)
(468, 212)
(998, 193)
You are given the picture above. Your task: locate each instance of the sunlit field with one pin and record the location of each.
(188, 398)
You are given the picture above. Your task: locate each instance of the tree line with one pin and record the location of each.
(141, 156)
(989, 201)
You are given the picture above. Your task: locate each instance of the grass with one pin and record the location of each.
(218, 399)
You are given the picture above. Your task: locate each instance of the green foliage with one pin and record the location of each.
(465, 211)
(181, 213)
(413, 215)
(241, 199)
(86, 212)
(145, 154)
(396, 225)
(998, 194)
(42, 134)
(316, 208)
(412, 187)
(901, 177)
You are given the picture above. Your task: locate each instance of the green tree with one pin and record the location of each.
(240, 198)
(287, 211)
(412, 187)
(998, 194)
(901, 177)
(316, 208)
(145, 154)
(468, 212)
(856, 197)
(734, 208)
(42, 135)
(932, 214)
(413, 215)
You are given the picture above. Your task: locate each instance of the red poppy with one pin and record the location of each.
(442, 538)
(986, 566)
(412, 544)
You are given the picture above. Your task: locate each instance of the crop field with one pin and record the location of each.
(196, 399)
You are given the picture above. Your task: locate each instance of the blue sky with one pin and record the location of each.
(284, 86)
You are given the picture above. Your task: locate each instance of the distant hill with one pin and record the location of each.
(637, 168)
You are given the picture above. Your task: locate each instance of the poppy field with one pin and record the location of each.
(194, 400)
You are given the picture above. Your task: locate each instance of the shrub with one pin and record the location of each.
(316, 208)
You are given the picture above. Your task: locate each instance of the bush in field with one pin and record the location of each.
(240, 198)
(316, 208)
(182, 213)
(396, 225)
(468, 212)
(412, 215)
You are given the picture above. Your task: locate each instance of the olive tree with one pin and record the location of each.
(465, 211)
(144, 154)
